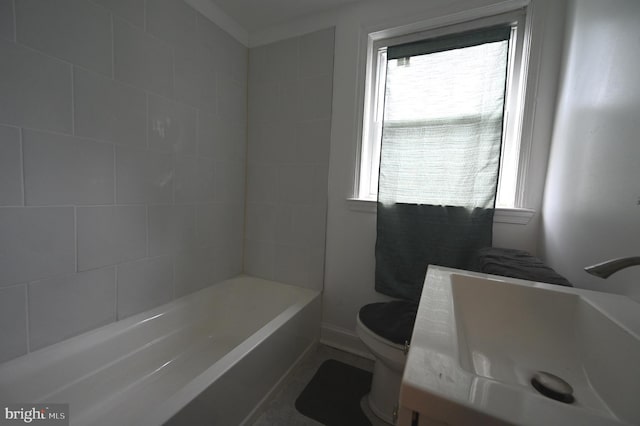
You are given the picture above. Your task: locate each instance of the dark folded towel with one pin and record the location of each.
(516, 264)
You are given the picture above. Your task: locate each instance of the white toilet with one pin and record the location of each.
(390, 356)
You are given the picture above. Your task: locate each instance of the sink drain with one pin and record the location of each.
(552, 387)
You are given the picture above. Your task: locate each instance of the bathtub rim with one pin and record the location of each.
(50, 355)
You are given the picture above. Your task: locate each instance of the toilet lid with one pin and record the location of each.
(391, 320)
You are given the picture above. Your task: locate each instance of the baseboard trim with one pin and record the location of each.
(343, 339)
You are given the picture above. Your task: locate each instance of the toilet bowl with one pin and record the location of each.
(387, 372)
(390, 356)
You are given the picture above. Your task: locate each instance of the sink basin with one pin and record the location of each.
(480, 339)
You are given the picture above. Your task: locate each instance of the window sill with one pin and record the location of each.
(502, 215)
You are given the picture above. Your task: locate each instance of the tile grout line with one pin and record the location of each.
(75, 236)
(128, 204)
(99, 74)
(115, 174)
(172, 50)
(197, 147)
(27, 322)
(115, 283)
(147, 145)
(23, 174)
(147, 229)
(73, 102)
(174, 161)
(15, 21)
(174, 260)
(113, 49)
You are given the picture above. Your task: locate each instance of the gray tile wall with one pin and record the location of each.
(122, 162)
(290, 95)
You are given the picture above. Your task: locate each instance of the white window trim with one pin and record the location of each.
(515, 216)
(475, 18)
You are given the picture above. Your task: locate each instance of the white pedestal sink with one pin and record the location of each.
(479, 339)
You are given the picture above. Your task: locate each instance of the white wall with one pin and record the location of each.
(592, 205)
(349, 270)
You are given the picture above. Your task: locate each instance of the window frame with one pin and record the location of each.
(368, 157)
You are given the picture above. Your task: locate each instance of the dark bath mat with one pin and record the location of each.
(333, 395)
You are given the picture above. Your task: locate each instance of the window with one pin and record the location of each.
(510, 184)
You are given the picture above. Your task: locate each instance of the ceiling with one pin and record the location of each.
(255, 15)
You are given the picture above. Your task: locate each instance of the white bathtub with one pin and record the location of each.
(207, 358)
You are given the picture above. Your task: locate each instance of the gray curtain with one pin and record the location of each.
(440, 155)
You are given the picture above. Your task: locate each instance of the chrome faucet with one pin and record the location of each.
(605, 269)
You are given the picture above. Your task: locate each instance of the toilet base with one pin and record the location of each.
(385, 390)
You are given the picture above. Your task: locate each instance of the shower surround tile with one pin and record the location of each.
(172, 126)
(35, 242)
(229, 182)
(108, 110)
(116, 173)
(172, 20)
(290, 96)
(143, 176)
(195, 77)
(316, 54)
(10, 167)
(130, 10)
(171, 229)
(66, 170)
(35, 89)
(195, 180)
(55, 27)
(142, 60)
(143, 285)
(315, 97)
(7, 27)
(214, 135)
(65, 306)
(110, 234)
(194, 270)
(13, 322)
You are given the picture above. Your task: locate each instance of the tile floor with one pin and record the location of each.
(280, 409)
